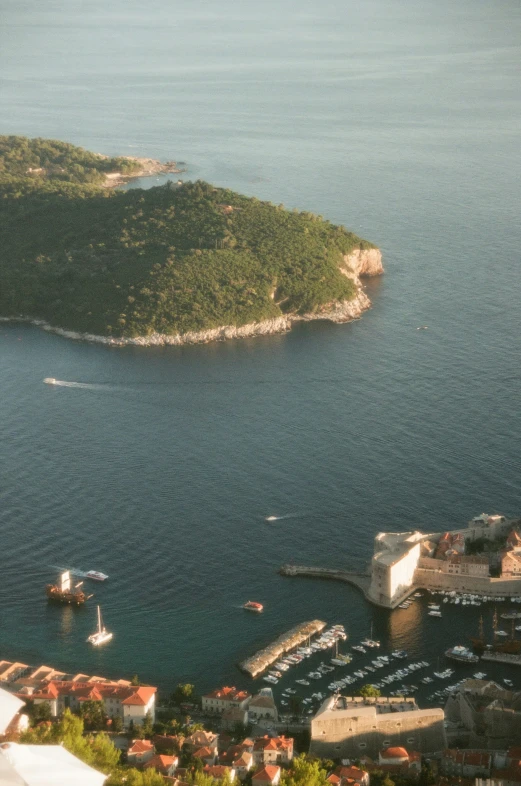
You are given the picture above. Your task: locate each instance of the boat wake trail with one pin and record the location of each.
(80, 574)
(62, 383)
(280, 518)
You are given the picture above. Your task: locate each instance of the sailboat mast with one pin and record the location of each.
(99, 620)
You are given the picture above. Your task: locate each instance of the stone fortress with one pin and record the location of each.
(406, 561)
(351, 727)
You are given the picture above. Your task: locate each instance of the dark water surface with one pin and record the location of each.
(159, 466)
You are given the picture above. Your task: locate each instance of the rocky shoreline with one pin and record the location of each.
(360, 262)
(148, 168)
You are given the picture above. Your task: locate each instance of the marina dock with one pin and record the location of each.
(263, 659)
(360, 580)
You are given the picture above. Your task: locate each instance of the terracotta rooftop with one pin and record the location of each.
(394, 753)
(141, 746)
(267, 773)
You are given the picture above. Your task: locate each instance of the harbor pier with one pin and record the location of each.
(361, 581)
(263, 659)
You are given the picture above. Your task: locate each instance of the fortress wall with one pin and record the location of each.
(481, 585)
(357, 735)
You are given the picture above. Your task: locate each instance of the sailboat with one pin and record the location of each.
(102, 634)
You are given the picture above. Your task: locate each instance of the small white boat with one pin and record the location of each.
(434, 613)
(102, 634)
(49, 381)
(96, 575)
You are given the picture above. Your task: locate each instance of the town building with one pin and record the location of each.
(269, 775)
(346, 727)
(272, 750)
(262, 707)
(165, 765)
(216, 702)
(465, 763)
(131, 704)
(348, 775)
(140, 752)
(220, 771)
(486, 713)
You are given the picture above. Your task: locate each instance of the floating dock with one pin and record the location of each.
(263, 659)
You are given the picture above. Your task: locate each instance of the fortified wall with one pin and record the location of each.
(404, 561)
(353, 727)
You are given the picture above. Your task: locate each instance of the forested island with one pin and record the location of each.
(171, 264)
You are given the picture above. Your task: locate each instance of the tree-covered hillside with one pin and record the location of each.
(169, 260)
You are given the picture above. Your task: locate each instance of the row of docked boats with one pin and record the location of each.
(328, 639)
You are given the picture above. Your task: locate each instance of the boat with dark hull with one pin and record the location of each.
(65, 592)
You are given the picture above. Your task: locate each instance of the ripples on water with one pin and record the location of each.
(160, 466)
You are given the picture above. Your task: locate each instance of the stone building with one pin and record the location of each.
(490, 714)
(352, 727)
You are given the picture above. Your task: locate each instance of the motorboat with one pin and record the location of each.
(96, 575)
(102, 635)
(49, 381)
(252, 605)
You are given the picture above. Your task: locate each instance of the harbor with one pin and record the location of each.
(266, 657)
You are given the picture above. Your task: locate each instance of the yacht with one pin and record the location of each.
(102, 634)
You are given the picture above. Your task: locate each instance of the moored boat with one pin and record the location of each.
(461, 654)
(102, 635)
(65, 592)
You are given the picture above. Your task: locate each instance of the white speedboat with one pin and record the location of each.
(96, 575)
(49, 381)
(102, 635)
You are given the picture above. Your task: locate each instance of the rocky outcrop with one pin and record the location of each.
(361, 262)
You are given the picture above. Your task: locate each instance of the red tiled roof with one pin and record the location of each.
(273, 743)
(85, 690)
(160, 762)
(217, 771)
(394, 753)
(203, 753)
(477, 759)
(231, 694)
(141, 746)
(267, 773)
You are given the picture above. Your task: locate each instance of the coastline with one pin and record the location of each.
(367, 262)
(149, 167)
(346, 311)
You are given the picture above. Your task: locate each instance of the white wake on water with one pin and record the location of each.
(279, 518)
(62, 383)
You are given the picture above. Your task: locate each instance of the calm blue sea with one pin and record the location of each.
(159, 466)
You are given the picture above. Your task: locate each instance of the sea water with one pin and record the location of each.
(163, 467)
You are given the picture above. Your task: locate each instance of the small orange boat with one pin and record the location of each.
(251, 605)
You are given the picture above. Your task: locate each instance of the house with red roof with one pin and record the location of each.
(207, 755)
(399, 761)
(165, 765)
(350, 775)
(220, 771)
(216, 702)
(140, 752)
(272, 750)
(130, 703)
(466, 763)
(269, 775)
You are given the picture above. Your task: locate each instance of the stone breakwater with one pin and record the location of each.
(360, 262)
(288, 641)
